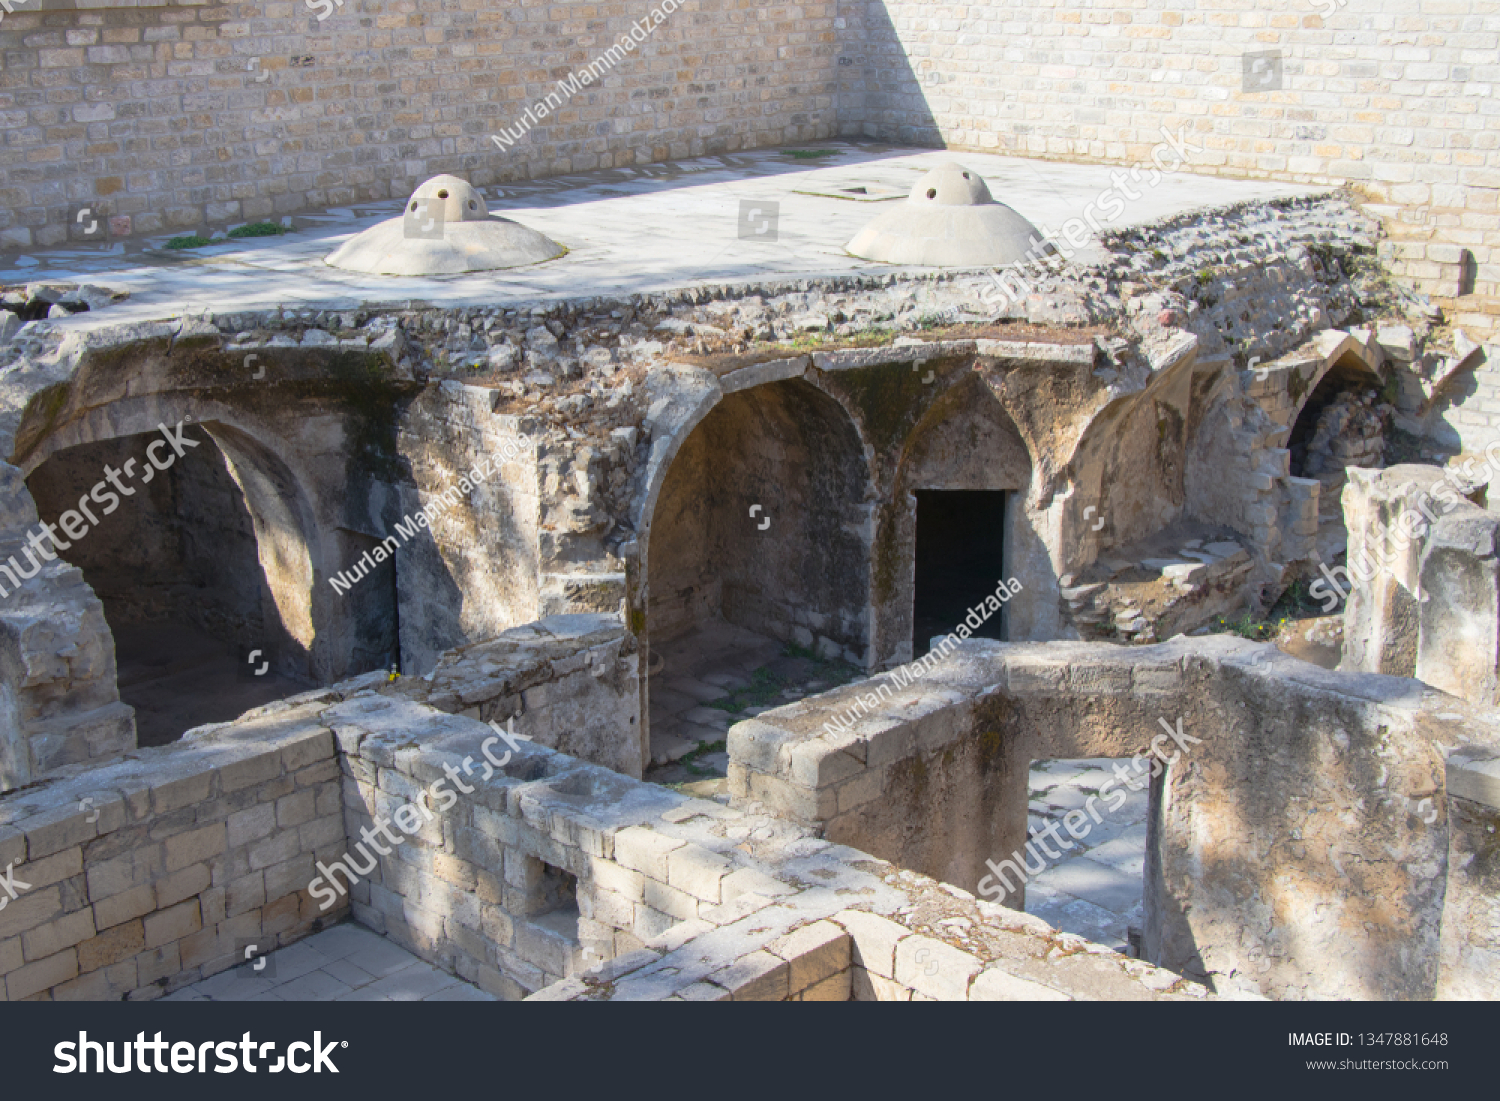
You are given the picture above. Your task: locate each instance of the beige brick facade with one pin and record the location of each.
(1393, 97)
(153, 112)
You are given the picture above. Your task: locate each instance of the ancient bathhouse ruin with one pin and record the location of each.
(962, 531)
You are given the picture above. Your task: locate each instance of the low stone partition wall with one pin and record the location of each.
(1423, 580)
(1291, 852)
(496, 858)
(548, 864)
(572, 677)
(145, 875)
(904, 938)
(1277, 867)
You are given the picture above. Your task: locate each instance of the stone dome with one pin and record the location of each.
(444, 229)
(950, 219)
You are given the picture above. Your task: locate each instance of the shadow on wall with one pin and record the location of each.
(883, 92)
(177, 562)
(759, 520)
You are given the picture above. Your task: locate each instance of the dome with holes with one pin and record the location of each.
(444, 229)
(949, 220)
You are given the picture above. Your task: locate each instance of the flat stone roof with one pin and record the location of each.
(646, 229)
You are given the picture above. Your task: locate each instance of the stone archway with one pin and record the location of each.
(239, 571)
(1341, 423)
(759, 520)
(965, 444)
(191, 539)
(762, 524)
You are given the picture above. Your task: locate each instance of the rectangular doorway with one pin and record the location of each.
(960, 560)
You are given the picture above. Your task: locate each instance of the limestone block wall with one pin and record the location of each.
(938, 946)
(671, 901)
(154, 116)
(540, 874)
(932, 776)
(1374, 93)
(1466, 417)
(471, 571)
(568, 681)
(146, 875)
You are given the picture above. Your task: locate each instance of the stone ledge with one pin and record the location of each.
(1475, 778)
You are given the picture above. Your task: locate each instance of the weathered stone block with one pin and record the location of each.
(757, 977)
(173, 888)
(63, 932)
(697, 872)
(645, 851)
(30, 910)
(41, 975)
(679, 904)
(111, 947)
(815, 952)
(193, 848)
(124, 906)
(935, 969)
(865, 987)
(172, 924)
(995, 984)
(874, 940)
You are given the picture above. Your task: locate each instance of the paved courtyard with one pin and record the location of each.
(347, 963)
(749, 216)
(1095, 890)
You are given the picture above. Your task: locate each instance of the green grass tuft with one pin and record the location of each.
(259, 229)
(190, 241)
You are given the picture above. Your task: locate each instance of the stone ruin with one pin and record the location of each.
(418, 527)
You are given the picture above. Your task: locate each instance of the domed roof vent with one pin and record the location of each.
(444, 229)
(950, 219)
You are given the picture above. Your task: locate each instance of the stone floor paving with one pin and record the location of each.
(347, 963)
(1095, 890)
(628, 230)
(743, 673)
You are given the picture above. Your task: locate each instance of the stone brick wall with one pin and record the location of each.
(572, 680)
(669, 902)
(146, 875)
(152, 873)
(908, 938)
(1391, 97)
(472, 571)
(951, 753)
(1424, 595)
(152, 114)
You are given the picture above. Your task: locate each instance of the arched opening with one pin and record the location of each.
(759, 563)
(1342, 424)
(205, 580)
(961, 522)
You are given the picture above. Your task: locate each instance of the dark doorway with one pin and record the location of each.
(960, 561)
